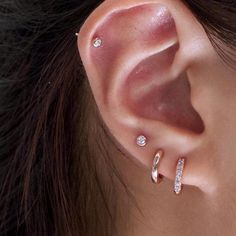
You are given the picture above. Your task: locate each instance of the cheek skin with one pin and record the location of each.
(224, 113)
(216, 101)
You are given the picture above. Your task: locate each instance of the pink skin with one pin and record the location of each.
(157, 74)
(153, 96)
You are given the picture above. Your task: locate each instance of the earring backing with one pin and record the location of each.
(156, 177)
(178, 177)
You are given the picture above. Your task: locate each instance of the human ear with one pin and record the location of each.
(137, 60)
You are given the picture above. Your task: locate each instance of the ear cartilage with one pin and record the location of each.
(156, 177)
(141, 141)
(178, 177)
(97, 42)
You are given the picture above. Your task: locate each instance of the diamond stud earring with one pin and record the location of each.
(156, 177)
(97, 42)
(141, 140)
(178, 177)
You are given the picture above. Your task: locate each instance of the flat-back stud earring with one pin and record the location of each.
(76, 34)
(141, 140)
(178, 177)
(97, 42)
(156, 177)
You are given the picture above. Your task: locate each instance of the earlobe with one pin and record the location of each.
(129, 55)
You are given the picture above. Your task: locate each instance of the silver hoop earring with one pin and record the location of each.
(156, 177)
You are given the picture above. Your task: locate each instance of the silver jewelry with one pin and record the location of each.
(97, 42)
(178, 177)
(156, 177)
(141, 140)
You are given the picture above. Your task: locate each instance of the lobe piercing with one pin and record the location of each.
(77, 34)
(141, 140)
(179, 174)
(156, 177)
(97, 42)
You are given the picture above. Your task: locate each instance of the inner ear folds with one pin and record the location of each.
(151, 92)
(133, 63)
(132, 66)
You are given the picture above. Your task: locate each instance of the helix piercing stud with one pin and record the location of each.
(178, 177)
(97, 42)
(156, 177)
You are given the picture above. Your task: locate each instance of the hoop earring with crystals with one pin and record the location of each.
(178, 176)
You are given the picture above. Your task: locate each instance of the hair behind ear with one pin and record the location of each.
(49, 186)
(219, 25)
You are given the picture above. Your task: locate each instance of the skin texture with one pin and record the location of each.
(157, 74)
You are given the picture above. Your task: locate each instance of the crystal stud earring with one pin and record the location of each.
(178, 177)
(156, 177)
(141, 140)
(97, 42)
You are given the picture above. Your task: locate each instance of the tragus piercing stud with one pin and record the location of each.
(97, 42)
(178, 177)
(141, 140)
(156, 177)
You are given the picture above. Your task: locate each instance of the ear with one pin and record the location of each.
(139, 75)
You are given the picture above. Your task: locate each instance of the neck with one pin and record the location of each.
(158, 211)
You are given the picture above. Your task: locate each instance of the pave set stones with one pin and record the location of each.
(179, 173)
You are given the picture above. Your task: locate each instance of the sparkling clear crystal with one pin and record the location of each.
(179, 172)
(141, 140)
(97, 42)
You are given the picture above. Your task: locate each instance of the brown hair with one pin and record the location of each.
(51, 133)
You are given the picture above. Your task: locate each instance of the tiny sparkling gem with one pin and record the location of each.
(141, 141)
(97, 42)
